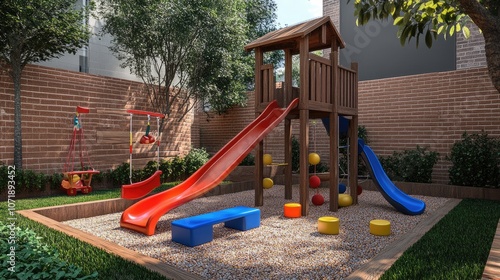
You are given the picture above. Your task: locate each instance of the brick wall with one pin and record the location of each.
(431, 110)
(470, 52)
(332, 9)
(217, 130)
(49, 100)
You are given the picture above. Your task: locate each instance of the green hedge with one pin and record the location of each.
(410, 165)
(475, 161)
(173, 170)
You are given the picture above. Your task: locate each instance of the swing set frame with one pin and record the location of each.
(158, 116)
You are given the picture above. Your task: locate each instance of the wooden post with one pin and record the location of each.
(353, 138)
(259, 174)
(304, 124)
(334, 161)
(354, 66)
(334, 135)
(304, 74)
(353, 155)
(288, 77)
(304, 161)
(259, 60)
(259, 166)
(288, 158)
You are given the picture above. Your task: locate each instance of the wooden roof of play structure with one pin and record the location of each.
(322, 35)
(323, 87)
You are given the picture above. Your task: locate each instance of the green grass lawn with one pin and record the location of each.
(457, 247)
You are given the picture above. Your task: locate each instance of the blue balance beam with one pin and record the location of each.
(196, 230)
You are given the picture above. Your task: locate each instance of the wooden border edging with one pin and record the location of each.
(60, 212)
(441, 190)
(492, 267)
(384, 260)
(82, 210)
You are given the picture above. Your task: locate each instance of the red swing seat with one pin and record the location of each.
(142, 188)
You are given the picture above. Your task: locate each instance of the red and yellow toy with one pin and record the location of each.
(79, 180)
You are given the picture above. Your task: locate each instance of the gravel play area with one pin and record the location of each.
(281, 248)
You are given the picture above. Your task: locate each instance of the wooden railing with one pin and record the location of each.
(347, 89)
(268, 85)
(320, 79)
(329, 87)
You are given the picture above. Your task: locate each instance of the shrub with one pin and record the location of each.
(249, 160)
(475, 161)
(178, 169)
(323, 167)
(101, 177)
(28, 180)
(410, 165)
(318, 168)
(55, 181)
(150, 168)
(137, 175)
(166, 169)
(33, 259)
(363, 133)
(4, 176)
(195, 159)
(121, 174)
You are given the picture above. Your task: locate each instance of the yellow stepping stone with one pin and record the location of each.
(328, 225)
(380, 227)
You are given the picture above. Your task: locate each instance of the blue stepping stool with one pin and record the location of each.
(196, 230)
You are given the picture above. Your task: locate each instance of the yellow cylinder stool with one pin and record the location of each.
(328, 225)
(292, 210)
(380, 227)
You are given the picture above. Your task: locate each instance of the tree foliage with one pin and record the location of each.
(185, 51)
(33, 31)
(431, 18)
(261, 19)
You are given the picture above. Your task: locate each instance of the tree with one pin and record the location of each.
(431, 18)
(33, 31)
(183, 50)
(261, 19)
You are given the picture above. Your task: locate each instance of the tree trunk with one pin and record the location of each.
(18, 143)
(492, 49)
(490, 26)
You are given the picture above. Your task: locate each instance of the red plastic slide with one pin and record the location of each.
(144, 215)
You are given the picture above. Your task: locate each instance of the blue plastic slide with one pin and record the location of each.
(397, 198)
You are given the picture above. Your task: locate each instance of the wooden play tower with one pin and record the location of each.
(327, 90)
